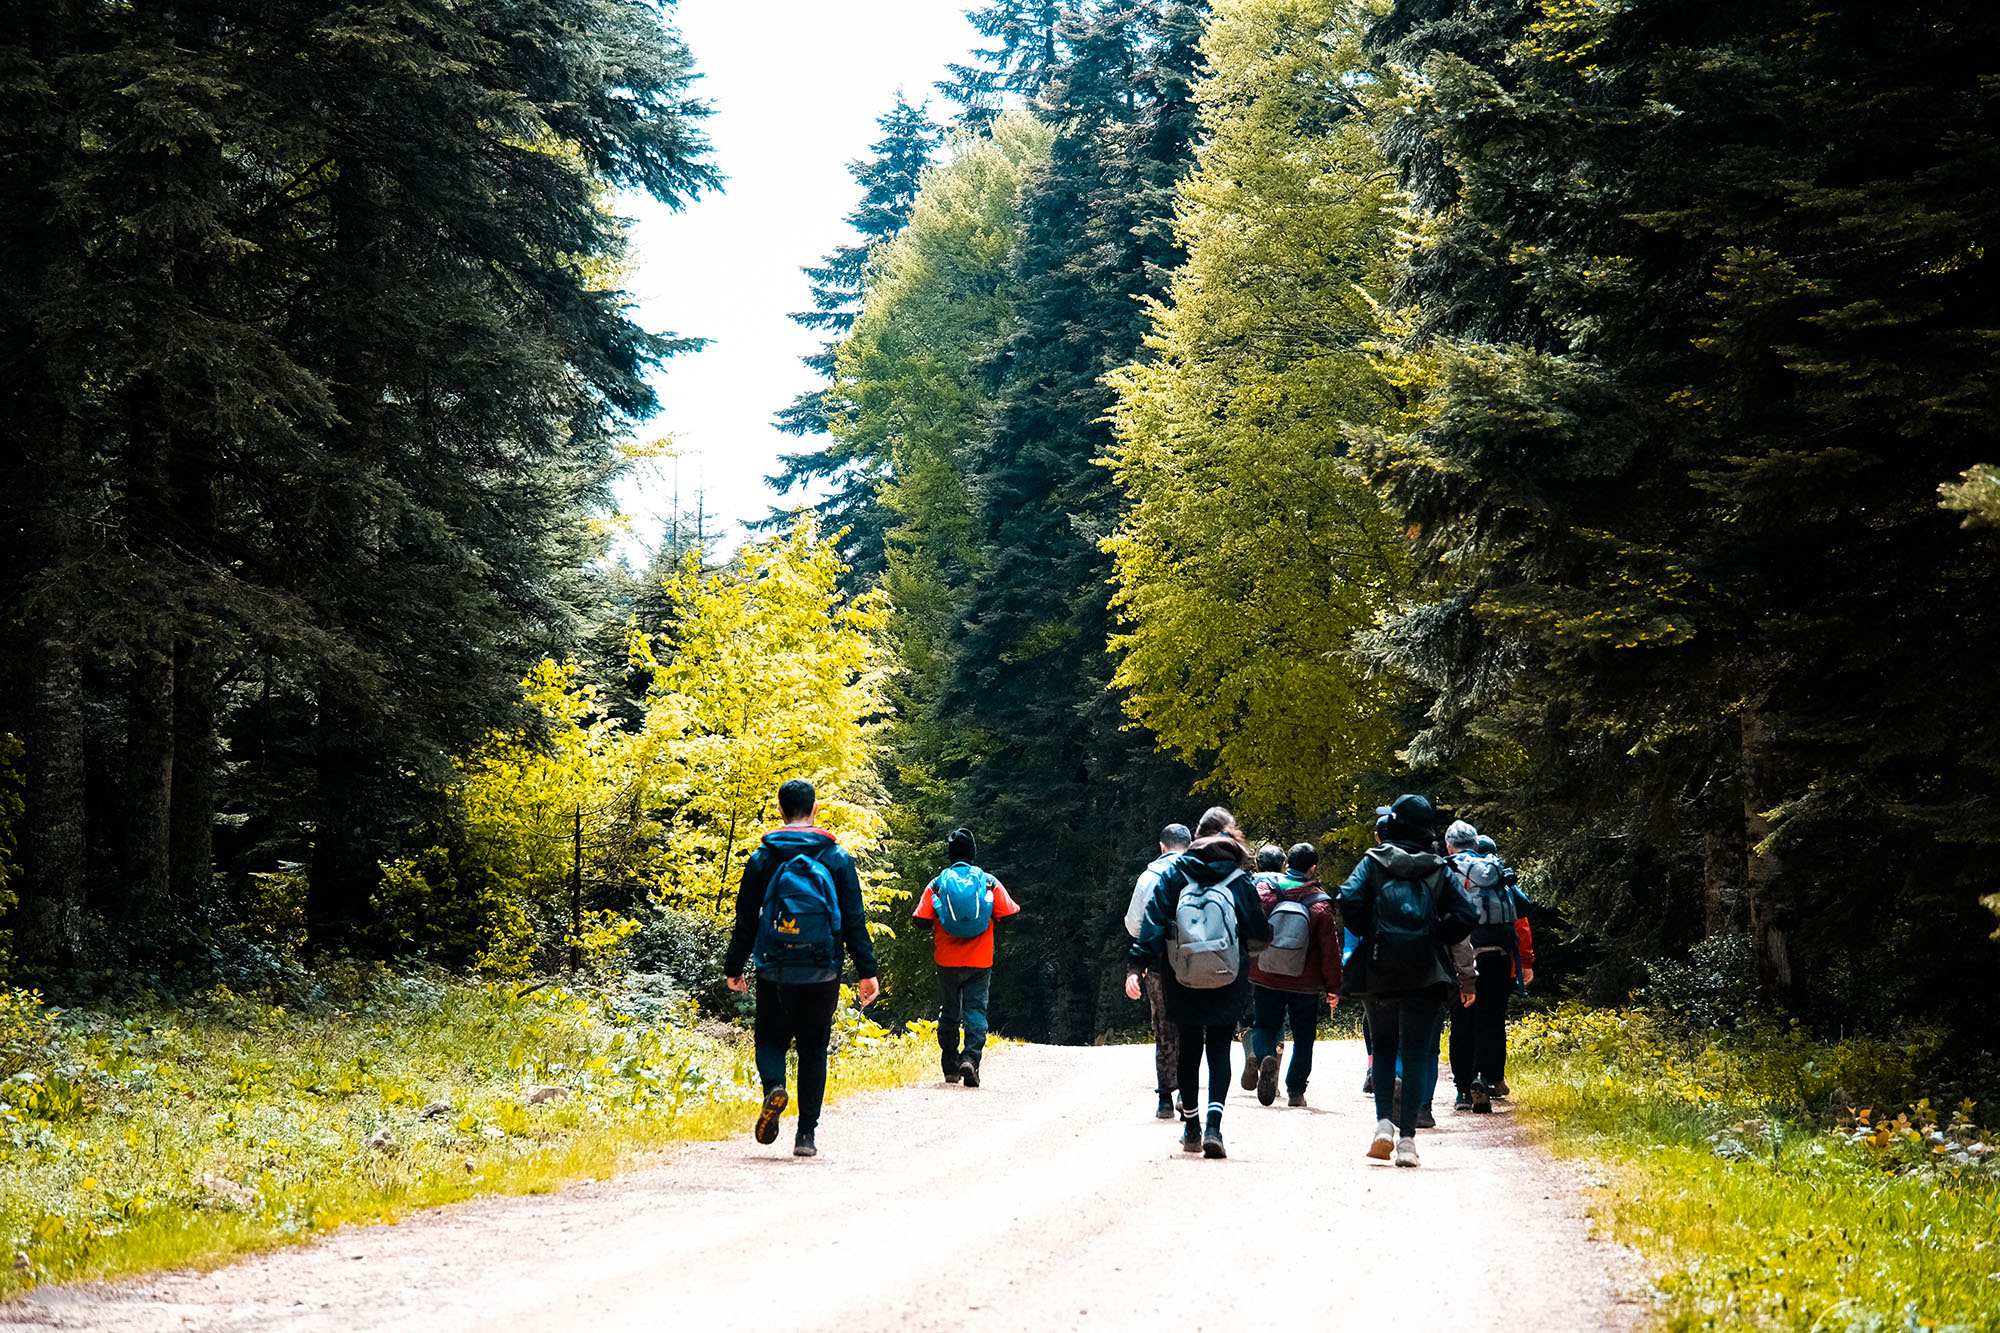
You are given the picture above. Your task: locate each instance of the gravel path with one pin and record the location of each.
(1048, 1199)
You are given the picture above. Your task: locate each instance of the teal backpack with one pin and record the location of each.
(962, 901)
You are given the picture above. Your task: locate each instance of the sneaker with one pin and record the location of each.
(1463, 1102)
(1190, 1135)
(1368, 1085)
(803, 1146)
(1267, 1080)
(1385, 1140)
(1482, 1101)
(1425, 1120)
(1295, 1099)
(1211, 1142)
(1500, 1089)
(1166, 1111)
(774, 1105)
(969, 1072)
(1406, 1152)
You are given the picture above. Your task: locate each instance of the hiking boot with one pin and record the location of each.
(1250, 1068)
(1463, 1102)
(969, 1072)
(951, 1071)
(1385, 1140)
(1482, 1101)
(1166, 1111)
(1267, 1080)
(1406, 1152)
(1190, 1135)
(774, 1105)
(1368, 1084)
(1295, 1099)
(1425, 1120)
(1500, 1089)
(1211, 1142)
(803, 1145)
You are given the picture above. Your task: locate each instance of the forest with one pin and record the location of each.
(1581, 412)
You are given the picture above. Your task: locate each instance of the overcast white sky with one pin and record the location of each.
(796, 85)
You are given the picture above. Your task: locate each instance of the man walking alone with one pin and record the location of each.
(800, 906)
(962, 904)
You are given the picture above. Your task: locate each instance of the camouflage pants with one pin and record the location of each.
(1166, 1036)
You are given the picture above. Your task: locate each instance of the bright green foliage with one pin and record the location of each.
(774, 672)
(1747, 1213)
(144, 1139)
(1252, 550)
(1976, 495)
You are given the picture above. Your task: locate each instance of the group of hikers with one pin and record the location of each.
(1221, 938)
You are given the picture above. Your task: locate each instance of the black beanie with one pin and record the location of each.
(1408, 818)
(962, 846)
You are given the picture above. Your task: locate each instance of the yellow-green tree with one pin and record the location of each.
(768, 672)
(1252, 550)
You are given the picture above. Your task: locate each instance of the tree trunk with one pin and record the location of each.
(1764, 881)
(53, 846)
(191, 832)
(149, 782)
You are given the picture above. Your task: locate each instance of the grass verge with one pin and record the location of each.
(1758, 1200)
(134, 1141)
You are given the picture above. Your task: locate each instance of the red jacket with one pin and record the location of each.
(1323, 956)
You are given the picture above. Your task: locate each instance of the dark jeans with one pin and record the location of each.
(1270, 1011)
(1215, 1040)
(796, 1014)
(1166, 1036)
(1479, 1034)
(965, 990)
(1408, 1026)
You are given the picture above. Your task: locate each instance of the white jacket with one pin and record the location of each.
(1142, 892)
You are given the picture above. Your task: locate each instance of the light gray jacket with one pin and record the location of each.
(1142, 892)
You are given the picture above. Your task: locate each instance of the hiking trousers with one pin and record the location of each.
(965, 991)
(1213, 1040)
(1406, 1029)
(1270, 1011)
(1479, 1033)
(1166, 1036)
(796, 1014)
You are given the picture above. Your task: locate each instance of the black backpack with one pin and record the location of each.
(1402, 945)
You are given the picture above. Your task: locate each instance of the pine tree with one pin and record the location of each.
(1028, 34)
(1050, 774)
(889, 183)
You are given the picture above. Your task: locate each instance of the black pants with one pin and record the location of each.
(1166, 1036)
(1270, 1011)
(965, 991)
(796, 1014)
(1479, 1033)
(1406, 1030)
(1216, 1040)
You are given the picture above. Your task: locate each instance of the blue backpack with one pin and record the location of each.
(963, 903)
(798, 939)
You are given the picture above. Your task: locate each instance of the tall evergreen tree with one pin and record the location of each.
(889, 183)
(1053, 777)
(1027, 50)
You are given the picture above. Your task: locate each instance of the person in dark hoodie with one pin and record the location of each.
(1413, 924)
(1294, 975)
(1203, 900)
(800, 906)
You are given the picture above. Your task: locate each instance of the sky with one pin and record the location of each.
(796, 86)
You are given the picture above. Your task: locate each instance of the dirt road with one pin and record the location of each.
(1048, 1199)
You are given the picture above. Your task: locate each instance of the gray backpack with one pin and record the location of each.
(1203, 950)
(1291, 938)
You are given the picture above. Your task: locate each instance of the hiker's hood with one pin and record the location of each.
(1294, 889)
(791, 840)
(1402, 863)
(1212, 859)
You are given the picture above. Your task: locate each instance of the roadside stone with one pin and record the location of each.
(383, 1140)
(223, 1190)
(545, 1094)
(434, 1110)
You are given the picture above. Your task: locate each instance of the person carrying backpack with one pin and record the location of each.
(1504, 949)
(1201, 923)
(962, 904)
(1174, 840)
(1412, 923)
(799, 906)
(1297, 970)
(1270, 872)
